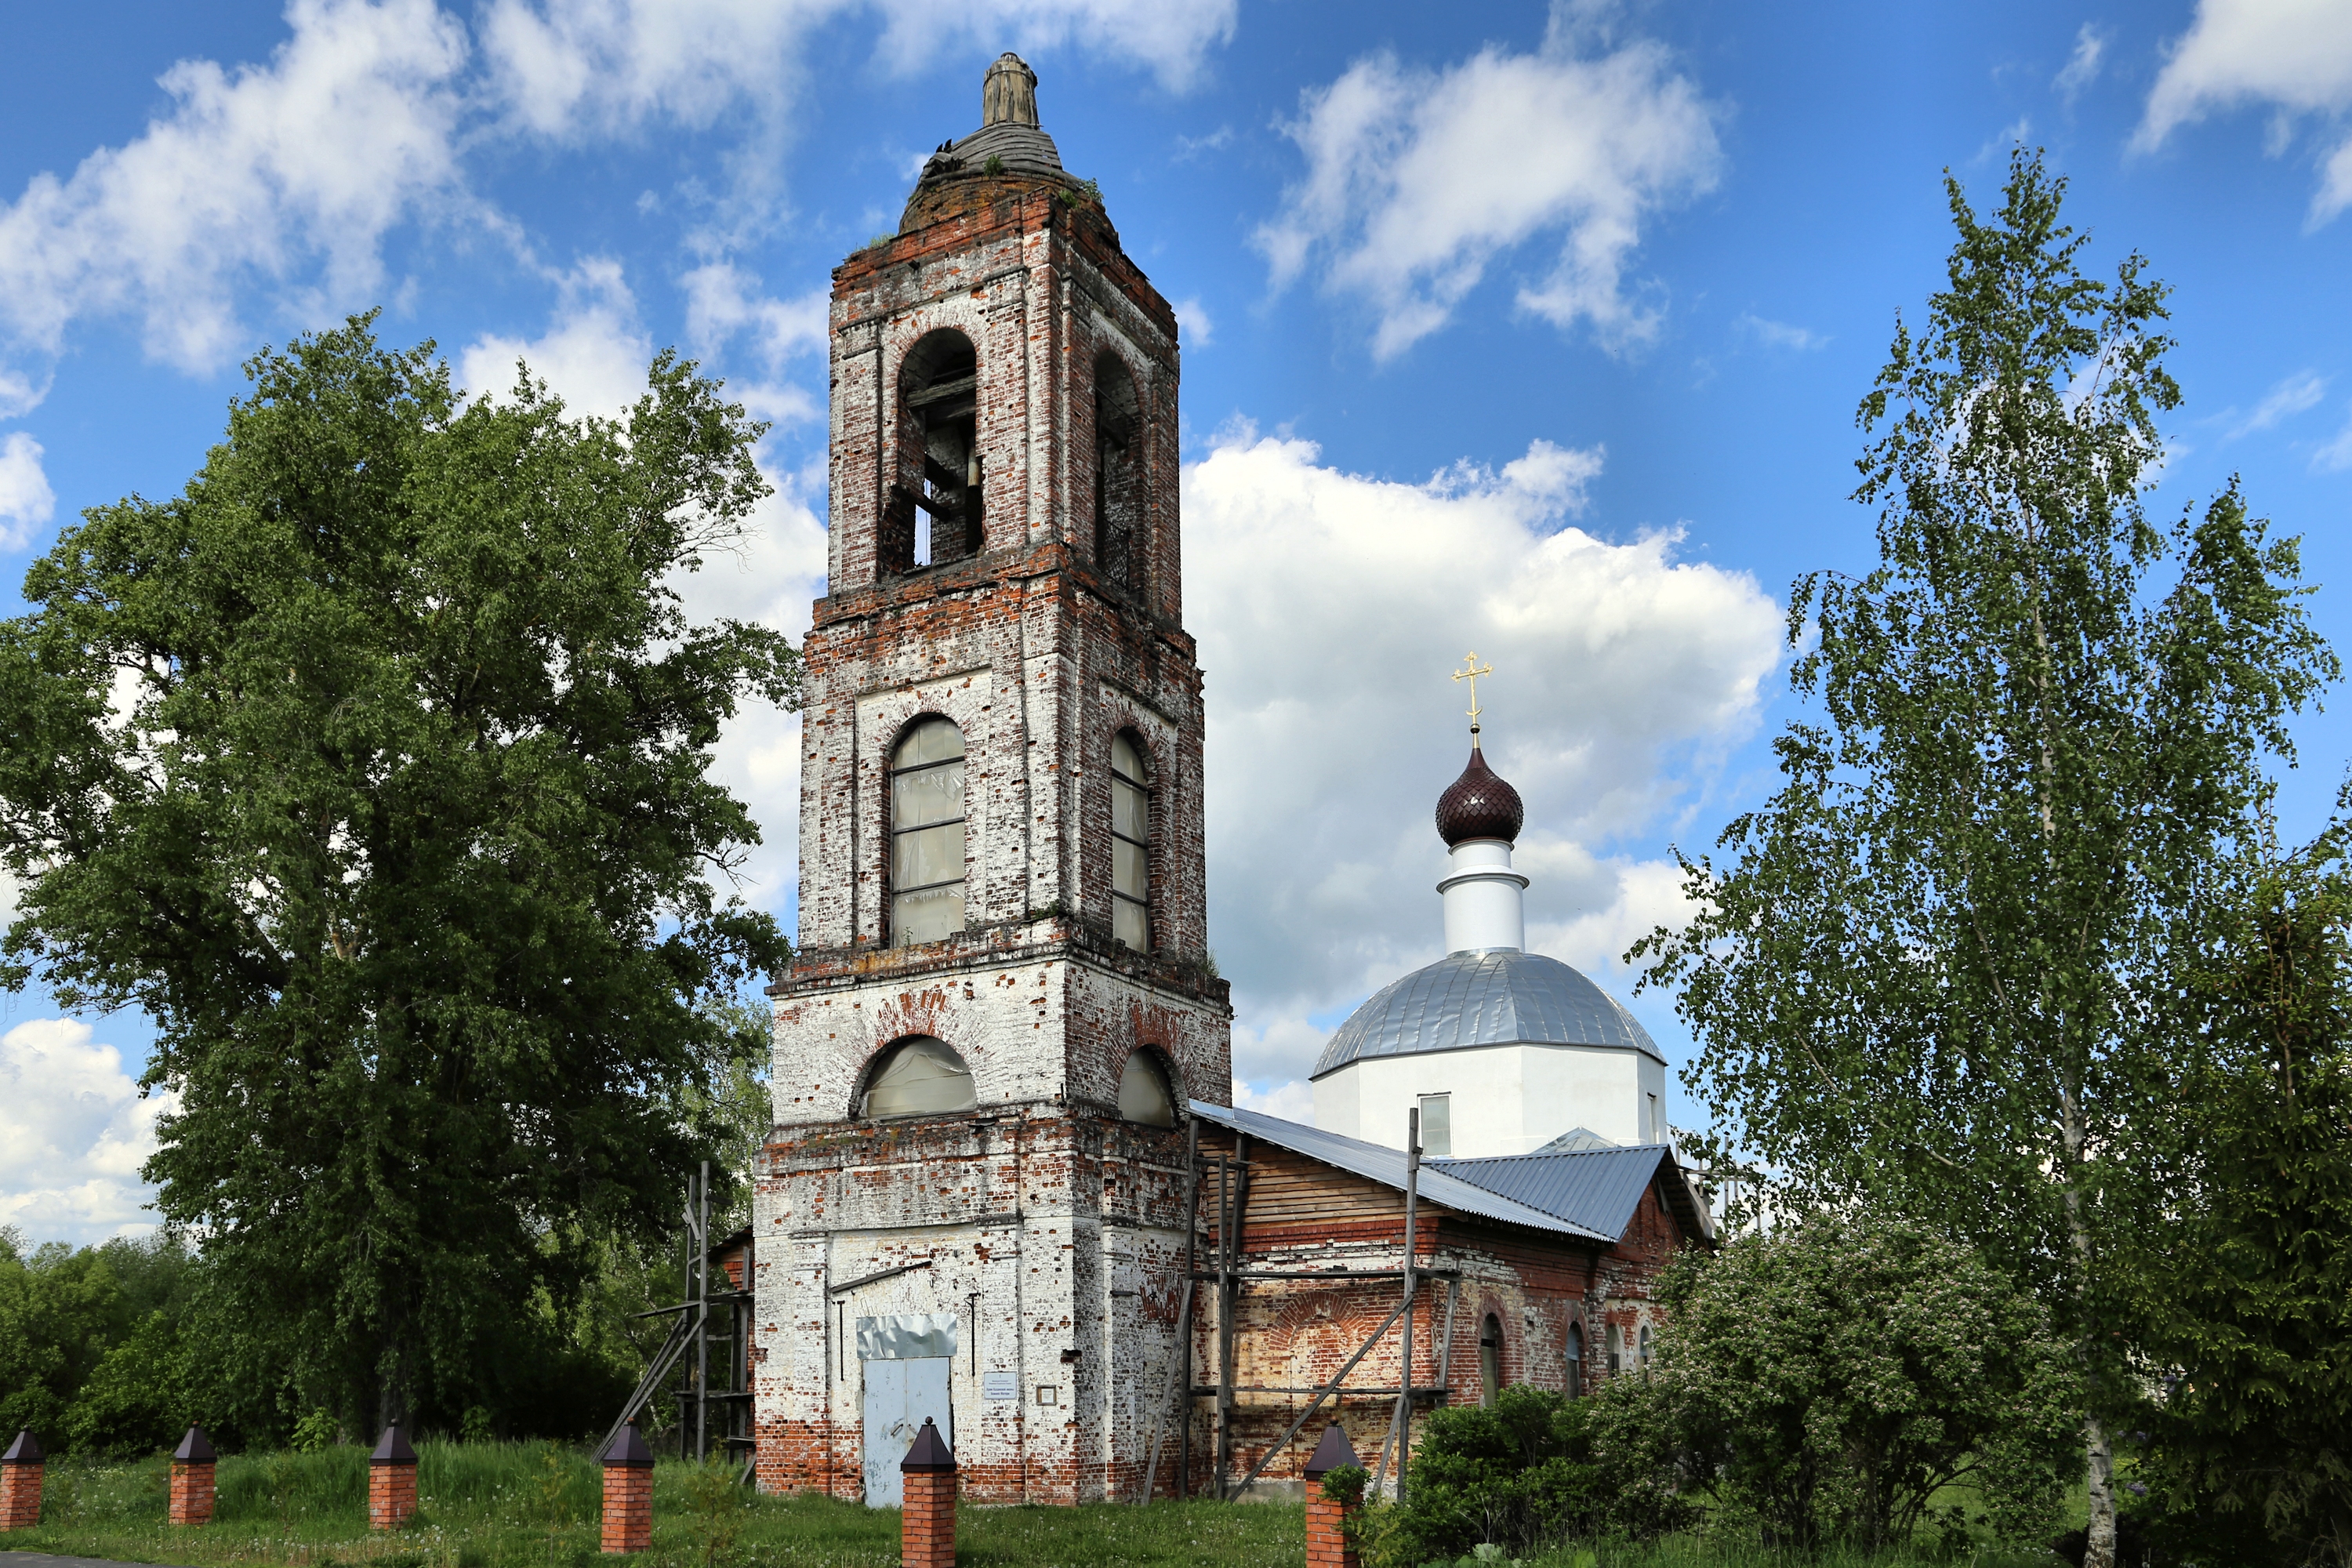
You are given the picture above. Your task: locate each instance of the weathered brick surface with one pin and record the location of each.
(391, 1495)
(628, 1513)
(191, 1492)
(1048, 1226)
(927, 1531)
(1287, 1335)
(20, 1496)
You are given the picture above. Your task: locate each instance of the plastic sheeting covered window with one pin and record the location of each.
(1437, 1126)
(1575, 1361)
(1144, 1092)
(927, 825)
(919, 1076)
(1130, 847)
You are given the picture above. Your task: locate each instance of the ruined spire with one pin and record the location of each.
(1008, 94)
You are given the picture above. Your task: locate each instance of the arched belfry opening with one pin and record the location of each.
(1119, 471)
(936, 513)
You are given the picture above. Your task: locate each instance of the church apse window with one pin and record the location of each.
(1119, 475)
(1144, 1093)
(927, 834)
(917, 1077)
(935, 514)
(1130, 845)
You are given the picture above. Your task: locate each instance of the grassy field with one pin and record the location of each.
(520, 1505)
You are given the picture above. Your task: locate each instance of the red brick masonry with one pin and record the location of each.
(192, 1491)
(927, 1535)
(391, 1495)
(1327, 1534)
(628, 1507)
(20, 1496)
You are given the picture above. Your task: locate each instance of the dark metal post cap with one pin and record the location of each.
(627, 1450)
(1333, 1453)
(195, 1449)
(393, 1448)
(928, 1453)
(25, 1451)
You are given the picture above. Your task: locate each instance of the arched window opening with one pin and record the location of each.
(1130, 845)
(935, 511)
(1144, 1092)
(1575, 1361)
(1641, 1355)
(917, 1077)
(1490, 1360)
(927, 825)
(1119, 485)
(1616, 1351)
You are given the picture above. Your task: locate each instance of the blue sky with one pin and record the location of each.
(1533, 330)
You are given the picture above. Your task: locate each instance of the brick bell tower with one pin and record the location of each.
(972, 1206)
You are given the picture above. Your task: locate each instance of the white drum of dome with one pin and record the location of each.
(1486, 901)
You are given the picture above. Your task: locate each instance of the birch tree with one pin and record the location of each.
(1934, 968)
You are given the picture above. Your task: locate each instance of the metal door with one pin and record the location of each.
(898, 1394)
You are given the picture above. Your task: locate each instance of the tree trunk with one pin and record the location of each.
(2099, 1547)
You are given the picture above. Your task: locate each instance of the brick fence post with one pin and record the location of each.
(192, 1479)
(20, 1483)
(628, 1492)
(392, 1481)
(926, 1526)
(1327, 1521)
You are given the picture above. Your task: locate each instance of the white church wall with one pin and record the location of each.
(1502, 1100)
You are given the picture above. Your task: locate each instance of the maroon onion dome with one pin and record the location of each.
(1479, 805)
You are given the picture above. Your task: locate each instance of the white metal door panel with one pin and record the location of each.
(899, 1395)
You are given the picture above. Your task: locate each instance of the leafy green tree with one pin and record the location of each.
(2251, 1445)
(1833, 1375)
(59, 1309)
(373, 767)
(1931, 975)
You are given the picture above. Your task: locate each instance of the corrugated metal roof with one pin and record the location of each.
(1595, 1187)
(1496, 997)
(1386, 1166)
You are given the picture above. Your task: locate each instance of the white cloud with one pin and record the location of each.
(593, 357)
(723, 302)
(18, 395)
(1192, 317)
(288, 174)
(2082, 66)
(25, 499)
(2290, 396)
(596, 67)
(2337, 456)
(2293, 55)
(282, 180)
(1781, 335)
(73, 1134)
(1417, 180)
(1331, 608)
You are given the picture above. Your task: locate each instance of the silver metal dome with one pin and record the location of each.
(1497, 997)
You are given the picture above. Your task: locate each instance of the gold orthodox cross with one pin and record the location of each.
(1471, 671)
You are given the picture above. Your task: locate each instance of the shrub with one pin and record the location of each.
(1831, 1378)
(1533, 1468)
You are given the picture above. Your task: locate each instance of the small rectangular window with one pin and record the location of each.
(1437, 1125)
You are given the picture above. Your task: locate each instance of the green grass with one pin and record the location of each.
(534, 1505)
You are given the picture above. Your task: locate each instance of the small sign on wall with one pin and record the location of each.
(1004, 1387)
